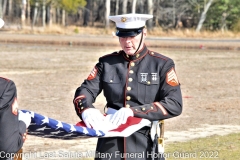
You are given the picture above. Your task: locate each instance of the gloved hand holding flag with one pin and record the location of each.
(46, 127)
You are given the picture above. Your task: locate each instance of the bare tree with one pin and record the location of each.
(223, 21)
(10, 9)
(124, 7)
(4, 7)
(35, 13)
(168, 13)
(63, 17)
(203, 15)
(117, 7)
(50, 14)
(150, 11)
(141, 6)
(23, 13)
(28, 12)
(157, 5)
(44, 13)
(87, 13)
(134, 6)
(107, 13)
(1, 10)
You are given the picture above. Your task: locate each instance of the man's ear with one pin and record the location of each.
(144, 32)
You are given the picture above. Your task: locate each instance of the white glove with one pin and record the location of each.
(121, 116)
(92, 117)
(25, 117)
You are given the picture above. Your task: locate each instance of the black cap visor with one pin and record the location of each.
(128, 32)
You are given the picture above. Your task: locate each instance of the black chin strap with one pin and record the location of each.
(139, 43)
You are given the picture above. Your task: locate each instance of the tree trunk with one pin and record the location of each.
(141, 6)
(4, 8)
(54, 15)
(117, 7)
(10, 9)
(50, 20)
(58, 16)
(35, 14)
(134, 6)
(223, 24)
(157, 13)
(92, 14)
(87, 13)
(44, 13)
(203, 16)
(28, 12)
(150, 11)
(23, 13)
(174, 14)
(124, 7)
(63, 17)
(1, 10)
(107, 13)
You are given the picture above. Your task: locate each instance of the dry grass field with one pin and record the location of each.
(47, 76)
(99, 29)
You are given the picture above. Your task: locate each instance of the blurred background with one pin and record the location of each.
(48, 48)
(182, 18)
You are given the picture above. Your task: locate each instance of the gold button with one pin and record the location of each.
(152, 53)
(143, 109)
(131, 71)
(111, 81)
(129, 88)
(130, 79)
(137, 55)
(148, 82)
(80, 103)
(128, 98)
(132, 64)
(127, 56)
(81, 108)
(127, 106)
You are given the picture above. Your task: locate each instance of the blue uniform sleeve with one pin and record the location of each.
(11, 130)
(86, 94)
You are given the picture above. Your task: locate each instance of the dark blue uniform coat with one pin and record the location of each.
(11, 130)
(146, 82)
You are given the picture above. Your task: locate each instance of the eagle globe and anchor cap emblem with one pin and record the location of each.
(123, 19)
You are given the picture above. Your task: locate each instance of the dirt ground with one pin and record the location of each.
(46, 77)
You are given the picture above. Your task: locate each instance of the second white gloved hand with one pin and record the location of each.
(92, 117)
(121, 116)
(25, 117)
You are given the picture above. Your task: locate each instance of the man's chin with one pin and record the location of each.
(130, 53)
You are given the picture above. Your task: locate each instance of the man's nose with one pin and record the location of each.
(127, 39)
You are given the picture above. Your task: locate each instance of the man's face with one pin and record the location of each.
(130, 44)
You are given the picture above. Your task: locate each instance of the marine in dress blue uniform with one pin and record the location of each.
(143, 84)
(13, 125)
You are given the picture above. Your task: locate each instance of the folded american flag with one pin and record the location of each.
(43, 126)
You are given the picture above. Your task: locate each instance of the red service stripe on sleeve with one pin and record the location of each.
(79, 97)
(161, 108)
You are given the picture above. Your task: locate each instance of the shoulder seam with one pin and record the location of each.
(158, 56)
(112, 54)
